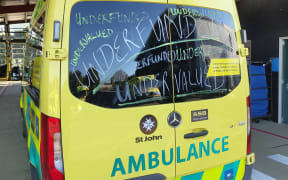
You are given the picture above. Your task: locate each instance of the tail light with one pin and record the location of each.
(51, 149)
(248, 125)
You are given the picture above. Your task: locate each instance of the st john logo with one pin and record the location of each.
(148, 124)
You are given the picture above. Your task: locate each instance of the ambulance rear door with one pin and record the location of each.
(210, 91)
(116, 91)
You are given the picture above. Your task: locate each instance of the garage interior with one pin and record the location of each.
(267, 32)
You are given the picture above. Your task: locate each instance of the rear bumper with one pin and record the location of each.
(248, 172)
(250, 160)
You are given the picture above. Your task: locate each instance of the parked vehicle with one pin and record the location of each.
(15, 74)
(136, 90)
(3, 72)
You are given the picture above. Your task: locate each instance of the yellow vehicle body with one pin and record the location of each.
(110, 141)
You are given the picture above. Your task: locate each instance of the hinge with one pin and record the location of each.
(56, 54)
(250, 159)
(244, 51)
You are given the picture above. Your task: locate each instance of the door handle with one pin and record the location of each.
(194, 135)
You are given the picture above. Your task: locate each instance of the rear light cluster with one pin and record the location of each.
(51, 149)
(248, 125)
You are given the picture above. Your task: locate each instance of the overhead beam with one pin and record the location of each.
(16, 22)
(15, 41)
(16, 9)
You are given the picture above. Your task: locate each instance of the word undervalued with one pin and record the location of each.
(184, 80)
(87, 39)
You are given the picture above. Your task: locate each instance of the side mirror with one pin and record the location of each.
(243, 36)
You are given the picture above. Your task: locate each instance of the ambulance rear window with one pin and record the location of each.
(125, 54)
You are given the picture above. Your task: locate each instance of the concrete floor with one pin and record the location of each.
(268, 139)
(13, 153)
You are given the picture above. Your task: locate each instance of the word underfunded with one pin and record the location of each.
(177, 55)
(165, 157)
(109, 18)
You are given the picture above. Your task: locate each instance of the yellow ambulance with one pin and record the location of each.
(139, 90)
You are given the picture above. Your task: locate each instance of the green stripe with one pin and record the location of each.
(28, 111)
(227, 168)
(143, 101)
(196, 176)
(34, 156)
(234, 166)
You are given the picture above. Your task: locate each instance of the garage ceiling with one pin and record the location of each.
(16, 11)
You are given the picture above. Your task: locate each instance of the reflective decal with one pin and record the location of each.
(228, 174)
(165, 157)
(37, 127)
(148, 124)
(193, 176)
(230, 171)
(32, 118)
(199, 115)
(223, 67)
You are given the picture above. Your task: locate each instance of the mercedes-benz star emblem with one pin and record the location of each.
(174, 119)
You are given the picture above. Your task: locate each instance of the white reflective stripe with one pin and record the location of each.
(2, 90)
(279, 158)
(258, 175)
(3, 84)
